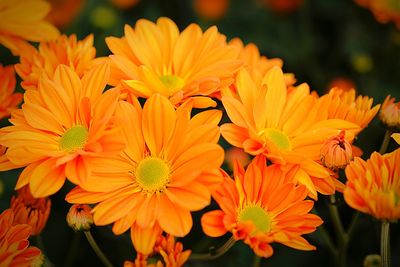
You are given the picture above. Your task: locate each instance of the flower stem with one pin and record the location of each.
(385, 244)
(328, 241)
(73, 249)
(213, 254)
(257, 261)
(342, 238)
(385, 142)
(97, 250)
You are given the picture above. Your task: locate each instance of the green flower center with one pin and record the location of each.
(74, 138)
(152, 174)
(277, 137)
(173, 83)
(258, 216)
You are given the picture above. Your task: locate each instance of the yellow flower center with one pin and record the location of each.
(258, 216)
(74, 138)
(172, 83)
(277, 137)
(152, 174)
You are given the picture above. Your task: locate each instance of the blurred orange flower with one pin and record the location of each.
(283, 125)
(236, 154)
(166, 248)
(168, 169)
(373, 186)
(283, 6)
(60, 127)
(79, 55)
(30, 210)
(124, 4)
(383, 10)
(157, 58)
(64, 11)
(14, 245)
(261, 206)
(342, 83)
(390, 113)
(8, 99)
(211, 9)
(23, 21)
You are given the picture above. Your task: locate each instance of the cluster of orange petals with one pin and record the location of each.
(9, 100)
(373, 186)
(168, 169)
(260, 206)
(171, 252)
(384, 10)
(390, 113)
(23, 21)
(14, 245)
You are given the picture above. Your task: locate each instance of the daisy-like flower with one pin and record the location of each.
(383, 10)
(283, 125)
(168, 169)
(157, 58)
(168, 249)
(79, 55)
(373, 186)
(30, 210)
(23, 21)
(14, 245)
(261, 206)
(60, 127)
(343, 104)
(389, 113)
(8, 99)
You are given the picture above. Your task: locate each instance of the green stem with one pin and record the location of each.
(213, 254)
(385, 142)
(257, 261)
(97, 250)
(328, 241)
(73, 249)
(385, 244)
(352, 225)
(341, 235)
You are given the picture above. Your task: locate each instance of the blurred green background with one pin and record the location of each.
(319, 41)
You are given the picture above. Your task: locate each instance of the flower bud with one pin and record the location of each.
(372, 260)
(336, 152)
(79, 217)
(390, 113)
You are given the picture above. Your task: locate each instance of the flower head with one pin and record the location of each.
(61, 127)
(34, 63)
(336, 152)
(261, 206)
(284, 125)
(390, 113)
(168, 169)
(23, 21)
(156, 58)
(373, 186)
(14, 245)
(383, 10)
(283, 6)
(30, 210)
(8, 99)
(211, 9)
(80, 217)
(63, 11)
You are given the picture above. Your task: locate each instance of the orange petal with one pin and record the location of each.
(212, 223)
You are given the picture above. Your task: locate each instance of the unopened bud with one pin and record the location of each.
(336, 152)
(372, 260)
(390, 113)
(79, 217)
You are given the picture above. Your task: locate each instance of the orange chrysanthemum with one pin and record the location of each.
(8, 99)
(373, 186)
(156, 58)
(64, 11)
(23, 21)
(342, 104)
(170, 165)
(383, 10)
(168, 249)
(390, 113)
(79, 55)
(30, 210)
(14, 245)
(283, 125)
(336, 152)
(211, 9)
(261, 206)
(60, 127)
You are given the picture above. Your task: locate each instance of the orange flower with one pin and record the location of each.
(373, 186)
(211, 9)
(390, 113)
(170, 165)
(79, 55)
(342, 83)
(283, 125)
(61, 127)
(23, 21)
(342, 104)
(30, 210)
(236, 154)
(168, 249)
(64, 11)
(8, 99)
(14, 245)
(261, 206)
(156, 58)
(383, 10)
(336, 152)
(284, 6)
(125, 4)
(80, 217)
